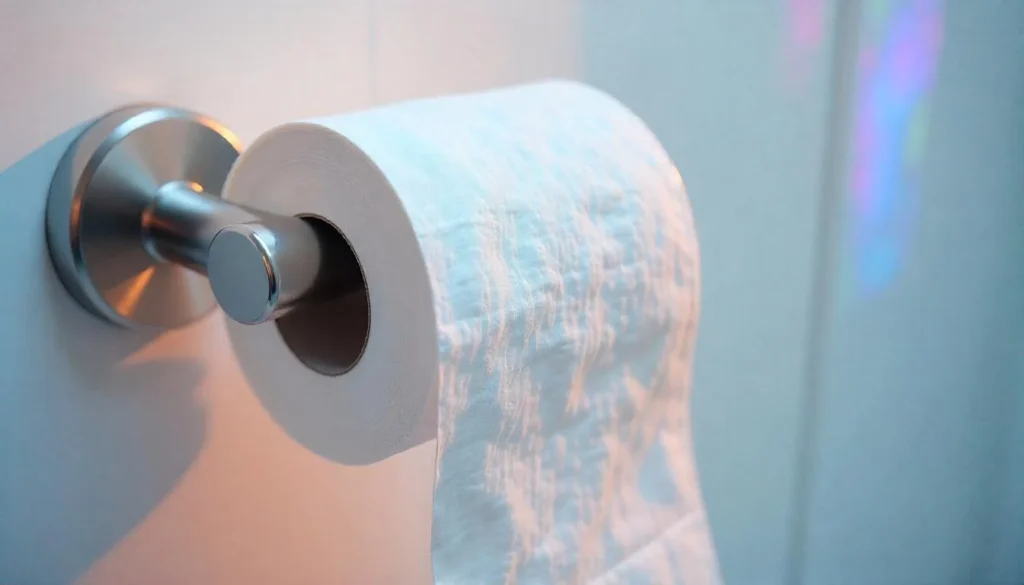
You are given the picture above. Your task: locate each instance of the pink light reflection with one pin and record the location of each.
(804, 34)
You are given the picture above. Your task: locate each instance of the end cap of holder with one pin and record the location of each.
(242, 273)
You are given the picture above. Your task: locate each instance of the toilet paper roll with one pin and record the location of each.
(529, 298)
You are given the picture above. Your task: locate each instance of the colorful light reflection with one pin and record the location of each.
(804, 21)
(896, 68)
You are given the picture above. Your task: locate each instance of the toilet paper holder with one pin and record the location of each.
(140, 236)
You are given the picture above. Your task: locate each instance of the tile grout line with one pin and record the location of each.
(371, 51)
(839, 116)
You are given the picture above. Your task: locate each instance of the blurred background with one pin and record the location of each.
(857, 173)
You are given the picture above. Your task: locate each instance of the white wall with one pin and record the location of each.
(841, 438)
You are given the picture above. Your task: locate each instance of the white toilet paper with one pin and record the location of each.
(532, 274)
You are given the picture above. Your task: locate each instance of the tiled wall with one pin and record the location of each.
(840, 435)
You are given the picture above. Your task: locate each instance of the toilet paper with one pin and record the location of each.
(528, 296)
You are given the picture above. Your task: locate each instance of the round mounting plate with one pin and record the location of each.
(104, 183)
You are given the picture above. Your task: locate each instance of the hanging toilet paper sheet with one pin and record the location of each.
(529, 298)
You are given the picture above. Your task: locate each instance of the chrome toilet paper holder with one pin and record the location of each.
(140, 236)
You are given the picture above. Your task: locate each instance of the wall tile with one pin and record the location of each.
(444, 46)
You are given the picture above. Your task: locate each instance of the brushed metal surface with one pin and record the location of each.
(140, 236)
(103, 188)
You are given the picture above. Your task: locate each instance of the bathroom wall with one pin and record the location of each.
(739, 93)
(856, 172)
(914, 454)
(858, 386)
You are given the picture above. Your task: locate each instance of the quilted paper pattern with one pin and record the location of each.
(564, 260)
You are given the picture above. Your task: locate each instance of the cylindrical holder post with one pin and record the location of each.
(135, 223)
(182, 220)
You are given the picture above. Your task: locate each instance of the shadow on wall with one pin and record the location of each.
(94, 432)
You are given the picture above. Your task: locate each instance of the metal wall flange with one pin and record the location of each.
(140, 236)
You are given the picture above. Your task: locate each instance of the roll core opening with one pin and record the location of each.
(329, 335)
